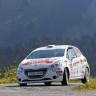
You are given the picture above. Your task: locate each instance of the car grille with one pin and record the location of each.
(43, 70)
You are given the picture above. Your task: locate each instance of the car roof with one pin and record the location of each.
(53, 47)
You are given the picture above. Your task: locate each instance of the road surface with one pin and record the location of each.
(38, 89)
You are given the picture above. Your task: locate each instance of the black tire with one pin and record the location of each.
(86, 76)
(47, 83)
(23, 84)
(65, 78)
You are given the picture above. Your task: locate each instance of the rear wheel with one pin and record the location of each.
(47, 83)
(65, 78)
(23, 84)
(86, 76)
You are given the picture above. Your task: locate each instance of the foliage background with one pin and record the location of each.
(87, 45)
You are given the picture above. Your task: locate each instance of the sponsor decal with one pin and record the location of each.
(70, 65)
(65, 62)
(59, 72)
(38, 62)
(75, 63)
(83, 61)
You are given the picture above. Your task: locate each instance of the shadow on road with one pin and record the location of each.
(42, 85)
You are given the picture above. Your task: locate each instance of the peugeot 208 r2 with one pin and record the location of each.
(53, 63)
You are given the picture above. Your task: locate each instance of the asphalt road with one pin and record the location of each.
(41, 90)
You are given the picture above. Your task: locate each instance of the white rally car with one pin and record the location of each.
(53, 63)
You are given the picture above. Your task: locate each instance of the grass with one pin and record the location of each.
(74, 81)
(87, 87)
(8, 75)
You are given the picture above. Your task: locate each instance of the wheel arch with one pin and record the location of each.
(88, 69)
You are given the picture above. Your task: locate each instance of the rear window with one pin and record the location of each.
(46, 53)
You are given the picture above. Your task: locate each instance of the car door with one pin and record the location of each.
(74, 63)
(82, 59)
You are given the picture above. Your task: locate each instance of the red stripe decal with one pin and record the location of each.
(38, 62)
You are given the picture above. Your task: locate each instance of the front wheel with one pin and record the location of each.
(65, 78)
(47, 83)
(86, 76)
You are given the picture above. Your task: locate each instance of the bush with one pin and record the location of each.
(8, 75)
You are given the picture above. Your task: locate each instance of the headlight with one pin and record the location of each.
(20, 69)
(56, 64)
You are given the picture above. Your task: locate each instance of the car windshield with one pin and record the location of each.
(46, 53)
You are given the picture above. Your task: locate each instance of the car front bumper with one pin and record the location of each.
(48, 76)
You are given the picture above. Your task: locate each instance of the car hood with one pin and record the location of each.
(39, 63)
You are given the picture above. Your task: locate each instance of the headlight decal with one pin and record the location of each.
(56, 65)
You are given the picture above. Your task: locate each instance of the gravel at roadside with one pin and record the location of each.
(42, 90)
